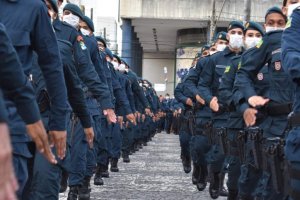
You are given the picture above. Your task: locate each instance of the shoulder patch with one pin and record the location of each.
(289, 23)
(227, 69)
(259, 43)
(240, 65)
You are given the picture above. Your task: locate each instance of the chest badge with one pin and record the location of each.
(260, 76)
(278, 65)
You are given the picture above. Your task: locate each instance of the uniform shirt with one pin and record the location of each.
(85, 69)
(28, 26)
(126, 85)
(75, 92)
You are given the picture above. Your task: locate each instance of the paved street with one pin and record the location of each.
(155, 172)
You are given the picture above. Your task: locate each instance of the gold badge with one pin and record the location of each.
(278, 65)
(260, 76)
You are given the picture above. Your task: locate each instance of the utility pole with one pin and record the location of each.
(247, 11)
(212, 21)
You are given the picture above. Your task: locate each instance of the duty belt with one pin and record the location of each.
(277, 109)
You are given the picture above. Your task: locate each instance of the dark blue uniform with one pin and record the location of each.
(46, 177)
(273, 122)
(290, 61)
(34, 32)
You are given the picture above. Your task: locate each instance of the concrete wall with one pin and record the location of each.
(153, 70)
(192, 9)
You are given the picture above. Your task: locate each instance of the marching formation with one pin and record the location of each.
(241, 110)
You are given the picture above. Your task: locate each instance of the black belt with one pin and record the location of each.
(276, 110)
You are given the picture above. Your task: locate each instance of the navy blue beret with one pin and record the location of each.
(254, 26)
(109, 53)
(101, 39)
(235, 24)
(74, 9)
(89, 22)
(118, 58)
(275, 9)
(222, 36)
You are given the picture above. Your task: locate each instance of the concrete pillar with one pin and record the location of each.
(127, 41)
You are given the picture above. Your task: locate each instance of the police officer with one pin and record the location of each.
(208, 84)
(19, 91)
(268, 110)
(39, 37)
(290, 56)
(253, 34)
(199, 142)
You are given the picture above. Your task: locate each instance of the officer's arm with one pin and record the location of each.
(130, 95)
(193, 76)
(179, 95)
(14, 83)
(251, 62)
(3, 113)
(290, 48)
(226, 85)
(76, 96)
(119, 93)
(206, 81)
(44, 43)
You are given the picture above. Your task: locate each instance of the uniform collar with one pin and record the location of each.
(227, 51)
(57, 24)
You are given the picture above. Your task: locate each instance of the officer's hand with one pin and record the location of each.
(38, 134)
(89, 134)
(131, 118)
(255, 101)
(120, 121)
(110, 115)
(8, 182)
(200, 100)
(214, 104)
(189, 102)
(148, 111)
(250, 116)
(59, 140)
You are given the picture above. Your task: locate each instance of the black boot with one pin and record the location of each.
(104, 171)
(223, 191)
(87, 182)
(214, 186)
(73, 193)
(98, 179)
(114, 165)
(186, 163)
(83, 192)
(64, 181)
(201, 185)
(126, 158)
(232, 195)
(195, 174)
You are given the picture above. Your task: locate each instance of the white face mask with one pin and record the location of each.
(141, 84)
(291, 8)
(270, 29)
(122, 67)
(71, 19)
(236, 41)
(212, 52)
(221, 47)
(251, 42)
(85, 32)
(115, 64)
